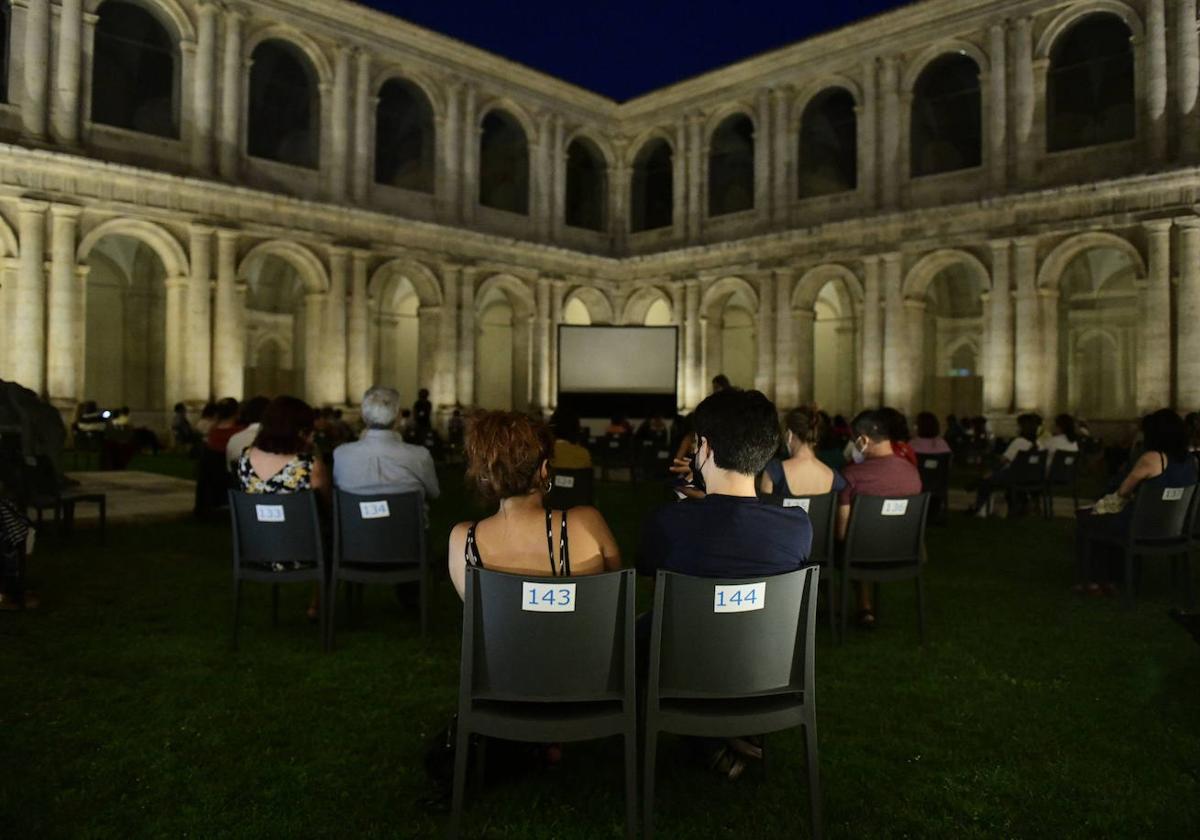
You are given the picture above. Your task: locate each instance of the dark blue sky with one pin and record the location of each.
(624, 48)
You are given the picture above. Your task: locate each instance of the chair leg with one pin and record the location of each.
(275, 605)
(460, 779)
(631, 743)
(920, 609)
(814, 776)
(648, 784)
(237, 608)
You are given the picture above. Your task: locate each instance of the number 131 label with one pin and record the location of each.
(547, 597)
(748, 596)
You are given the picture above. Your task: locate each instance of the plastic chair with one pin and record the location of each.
(529, 675)
(822, 513)
(1162, 526)
(1064, 472)
(271, 529)
(653, 458)
(615, 453)
(728, 674)
(571, 488)
(885, 542)
(935, 479)
(378, 539)
(44, 491)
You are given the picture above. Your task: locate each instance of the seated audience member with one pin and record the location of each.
(1026, 439)
(422, 412)
(568, 454)
(956, 435)
(721, 382)
(653, 429)
(281, 459)
(619, 427)
(250, 419)
(839, 428)
(508, 460)
(1165, 462)
(929, 440)
(408, 429)
(880, 473)
(380, 461)
(728, 533)
(801, 473)
(1192, 421)
(832, 448)
(1064, 438)
(456, 428)
(15, 530)
(181, 428)
(208, 416)
(225, 425)
(212, 473)
(897, 425)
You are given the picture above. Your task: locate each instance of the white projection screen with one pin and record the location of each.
(606, 371)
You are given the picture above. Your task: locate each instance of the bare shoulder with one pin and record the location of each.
(587, 517)
(458, 534)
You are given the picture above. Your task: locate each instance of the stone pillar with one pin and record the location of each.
(80, 321)
(198, 321)
(693, 338)
(470, 163)
(60, 306)
(558, 184)
(917, 364)
(998, 384)
(1187, 78)
(1156, 79)
(865, 113)
(35, 63)
(1047, 300)
(696, 150)
(362, 167)
(1028, 375)
(231, 104)
(229, 340)
(333, 332)
(466, 332)
(621, 178)
(541, 342)
(763, 162)
(448, 152)
(872, 340)
(176, 326)
(27, 338)
(997, 109)
(1023, 100)
(764, 377)
(1187, 316)
(890, 161)
(358, 339)
(679, 182)
(803, 320)
(540, 206)
(68, 51)
(204, 89)
(557, 293)
(781, 156)
(339, 128)
(445, 383)
(896, 373)
(787, 355)
(314, 306)
(1154, 362)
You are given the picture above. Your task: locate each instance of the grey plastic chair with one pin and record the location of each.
(1064, 472)
(378, 539)
(547, 676)
(729, 674)
(271, 529)
(883, 545)
(935, 479)
(571, 488)
(1026, 474)
(822, 513)
(653, 459)
(616, 453)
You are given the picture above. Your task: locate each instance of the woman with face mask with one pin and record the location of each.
(801, 473)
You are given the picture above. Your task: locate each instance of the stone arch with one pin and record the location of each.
(261, 342)
(392, 71)
(599, 307)
(597, 140)
(932, 53)
(1051, 271)
(168, 12)
(730, 109)
(639, 304)
(514, 289)
(423, 279)
(8, 239)
(723, 288)
(1090, 333)
(405, 135)
(818, 86)
(1076, 12)
(804, 295)
(512, 109)
(168, 248)
(289, 35)
(923, 272)
(307, 264)
(657, 133)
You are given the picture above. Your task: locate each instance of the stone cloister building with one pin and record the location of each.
(965, 205)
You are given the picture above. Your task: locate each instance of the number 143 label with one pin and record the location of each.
(743, 598)
(547, 597)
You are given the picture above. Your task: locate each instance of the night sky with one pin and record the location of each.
(624, 48)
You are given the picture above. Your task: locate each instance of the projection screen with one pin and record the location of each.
(604, 371)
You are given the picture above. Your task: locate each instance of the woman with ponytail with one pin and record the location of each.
(801, 473)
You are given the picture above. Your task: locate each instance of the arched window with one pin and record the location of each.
(828, 144)
(587, 186)
(135, 79)
(1089, 89)
(5, 30)
(946, 117)
(404, 137)
(503, 164)
(652, 193)
(284, 109)
(731, 166)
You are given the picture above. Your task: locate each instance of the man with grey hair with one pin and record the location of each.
(380, 461)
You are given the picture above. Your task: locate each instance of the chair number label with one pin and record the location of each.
(800, 503)
(374, 510)
(567, 481)
(1069, 460)
(931, 464)
(269, 513)
(743, 598)
(1033, 459)
(614, 444)
(547, 597)
(662, 453)
(895, 507)
(1172, 494)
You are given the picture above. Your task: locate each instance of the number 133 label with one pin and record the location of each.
(748, 596)
(547, 597)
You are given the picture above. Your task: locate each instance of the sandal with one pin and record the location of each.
(725, 763)
(745, 749)
(865, 618)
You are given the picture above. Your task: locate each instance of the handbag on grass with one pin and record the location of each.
(1112, 503)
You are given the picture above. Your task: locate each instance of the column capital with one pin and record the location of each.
(890, 257)
(338, 251)
(1157, 227)
(201, 228)
(225, 234)
(1000, 244)
(65, 211)
(32, 205)
(803, 314)
(914, 305)
(1025, 242)
(1046, 294)
(1187, 222)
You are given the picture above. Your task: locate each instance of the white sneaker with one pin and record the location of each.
(982, 513)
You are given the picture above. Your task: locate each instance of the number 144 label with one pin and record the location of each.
(743, 598)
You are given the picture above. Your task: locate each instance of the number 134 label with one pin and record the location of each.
(547, 597)
(748, 596)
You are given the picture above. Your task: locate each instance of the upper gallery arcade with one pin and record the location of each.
(967, 205)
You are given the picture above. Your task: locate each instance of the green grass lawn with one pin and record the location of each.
(1030, 713)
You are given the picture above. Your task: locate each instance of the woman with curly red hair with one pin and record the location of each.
(508, 459)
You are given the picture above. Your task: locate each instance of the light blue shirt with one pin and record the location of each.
(381, 462)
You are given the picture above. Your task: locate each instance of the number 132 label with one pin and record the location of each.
(547, 597)
(744, 598)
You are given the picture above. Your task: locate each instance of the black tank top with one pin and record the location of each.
(560, 569)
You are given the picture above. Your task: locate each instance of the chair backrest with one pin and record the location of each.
(537, 639)
(1064, 467)
(654, 455)
(935, 472)
(715, 638)
(821, 510)
(571, 488)
(385, 529)
(1161, 513)
(1029, 467)
(275, 527)
(887, 529)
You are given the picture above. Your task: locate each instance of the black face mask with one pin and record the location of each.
(694, 463)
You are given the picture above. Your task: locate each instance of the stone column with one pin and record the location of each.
(204, 89)
(998, 385)
(1156, 79)
(339, 128)
(764, 377)
(763, 159)
(804, 321)
(997, 109)
(358, 339)
(896, 373)
(27, 337)
(229, 340)
(618, 222)
(693, 337)
(1028, 375)
(781, 155)
(176, 326)
(917, 364)
(1187, 316)
(362, 167)
(445, 383)
(890, 162)
(80, 321)
(872, 340)
(470, 162)
(679, 182)
(333, 332)
(60, 306)
(1154, 363)
(1023, 100)
(1187, 77)
(787, 355)
(541, 342)
(1048, 310)
(466, 332)
(557, 293)
(558, 184)
(865, 113)
(231, 104)
(448, 152)
(314, 306)
(35, 63)
(68, 51)
(198, 322)
(541, 178)
(696, 148)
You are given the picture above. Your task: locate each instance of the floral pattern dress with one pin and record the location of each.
(295, 476)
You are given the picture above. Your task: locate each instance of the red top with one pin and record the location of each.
(902, 448)
(218, 437)
(890, 475)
